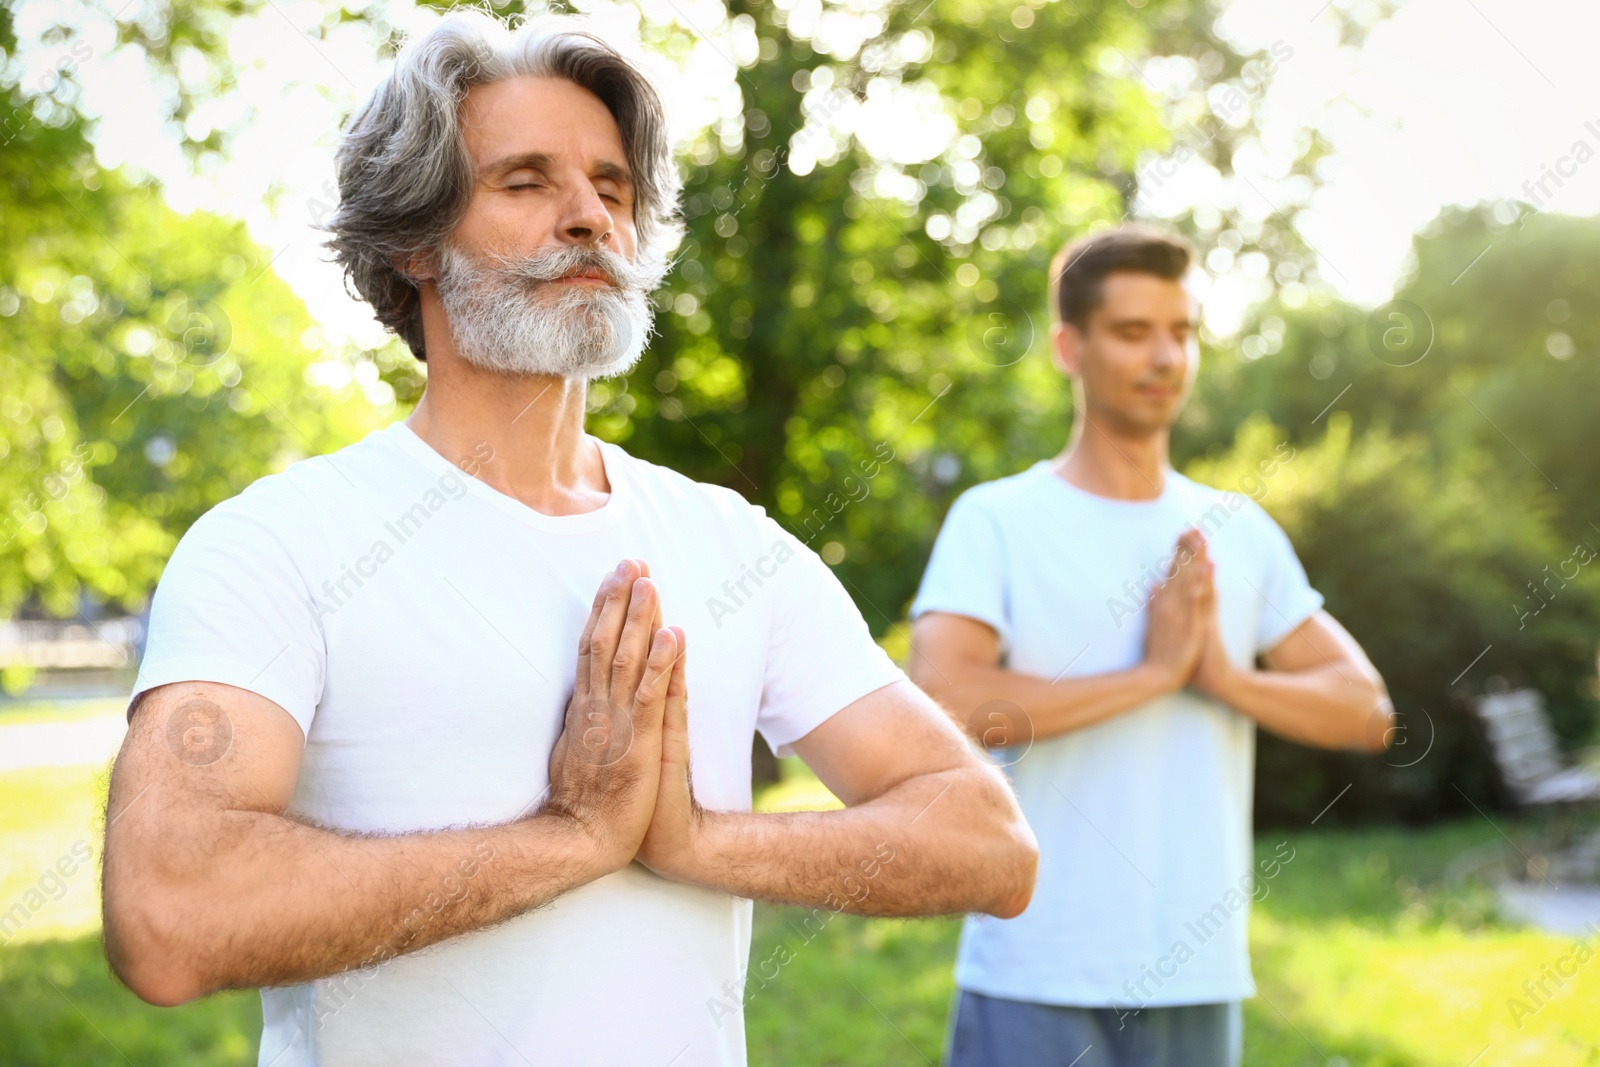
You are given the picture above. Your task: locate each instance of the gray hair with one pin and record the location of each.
(405, 178)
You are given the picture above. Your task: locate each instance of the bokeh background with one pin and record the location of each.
(1396, 205)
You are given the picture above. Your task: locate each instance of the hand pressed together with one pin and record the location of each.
(671, 843)
(1184, 639)
(620, 768)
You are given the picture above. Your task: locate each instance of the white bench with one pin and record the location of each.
(1525, 748)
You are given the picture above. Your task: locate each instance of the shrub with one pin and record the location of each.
(1429, 566)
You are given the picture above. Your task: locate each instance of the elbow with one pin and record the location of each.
(144, 954)
(1007, 852)
(1020, 866)
(159, 988)
(1015, 904)
(1379, 725)
(159, 982)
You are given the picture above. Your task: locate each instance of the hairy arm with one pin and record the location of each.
(208, 884)
(1318, 688)
(928, 827)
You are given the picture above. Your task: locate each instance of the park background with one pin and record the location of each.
(1395, 204)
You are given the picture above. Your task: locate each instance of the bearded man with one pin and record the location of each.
(392, 757)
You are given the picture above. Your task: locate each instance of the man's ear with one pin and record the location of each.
(418, 267)
(1066, 348)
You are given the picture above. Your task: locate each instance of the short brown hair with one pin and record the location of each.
(1079, 270)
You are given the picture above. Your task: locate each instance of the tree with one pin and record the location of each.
(1458, 527)
(152, 365)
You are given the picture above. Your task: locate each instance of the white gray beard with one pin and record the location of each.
(508, 318)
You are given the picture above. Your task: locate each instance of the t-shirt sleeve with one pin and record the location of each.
(966, 574)
(1290, 600)
(233, 607)
(821, 657)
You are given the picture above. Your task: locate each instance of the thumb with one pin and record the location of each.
(675, 720)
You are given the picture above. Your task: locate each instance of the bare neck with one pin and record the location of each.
(1112, 462)
(523, 436)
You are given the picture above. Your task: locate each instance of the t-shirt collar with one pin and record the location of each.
(618, 474)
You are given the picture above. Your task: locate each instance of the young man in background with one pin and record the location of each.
(1109, 612)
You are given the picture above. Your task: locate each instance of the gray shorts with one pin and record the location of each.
(990, 1032)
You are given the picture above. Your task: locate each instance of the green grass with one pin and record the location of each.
(48, 816)
(1365, 954)
(14, 713)
(58, 1001)
(60, 1005)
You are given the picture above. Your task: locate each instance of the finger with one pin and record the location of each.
(649, 699)
(586, 639)
(655, 623)
(633, 648)
(644, 572)
(675, 715)
(1182, 553)
(1195, 558)
(608, 627)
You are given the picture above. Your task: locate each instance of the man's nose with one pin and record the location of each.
(1170, 351)
(588, 220)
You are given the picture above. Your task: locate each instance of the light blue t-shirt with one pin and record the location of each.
(1145, 858)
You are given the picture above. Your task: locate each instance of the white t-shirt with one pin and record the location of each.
(422, 628)
(1143, 819)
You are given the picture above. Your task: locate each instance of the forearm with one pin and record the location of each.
(941, 843)
(1049, 708)
(1329, 707)
(246, 898)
